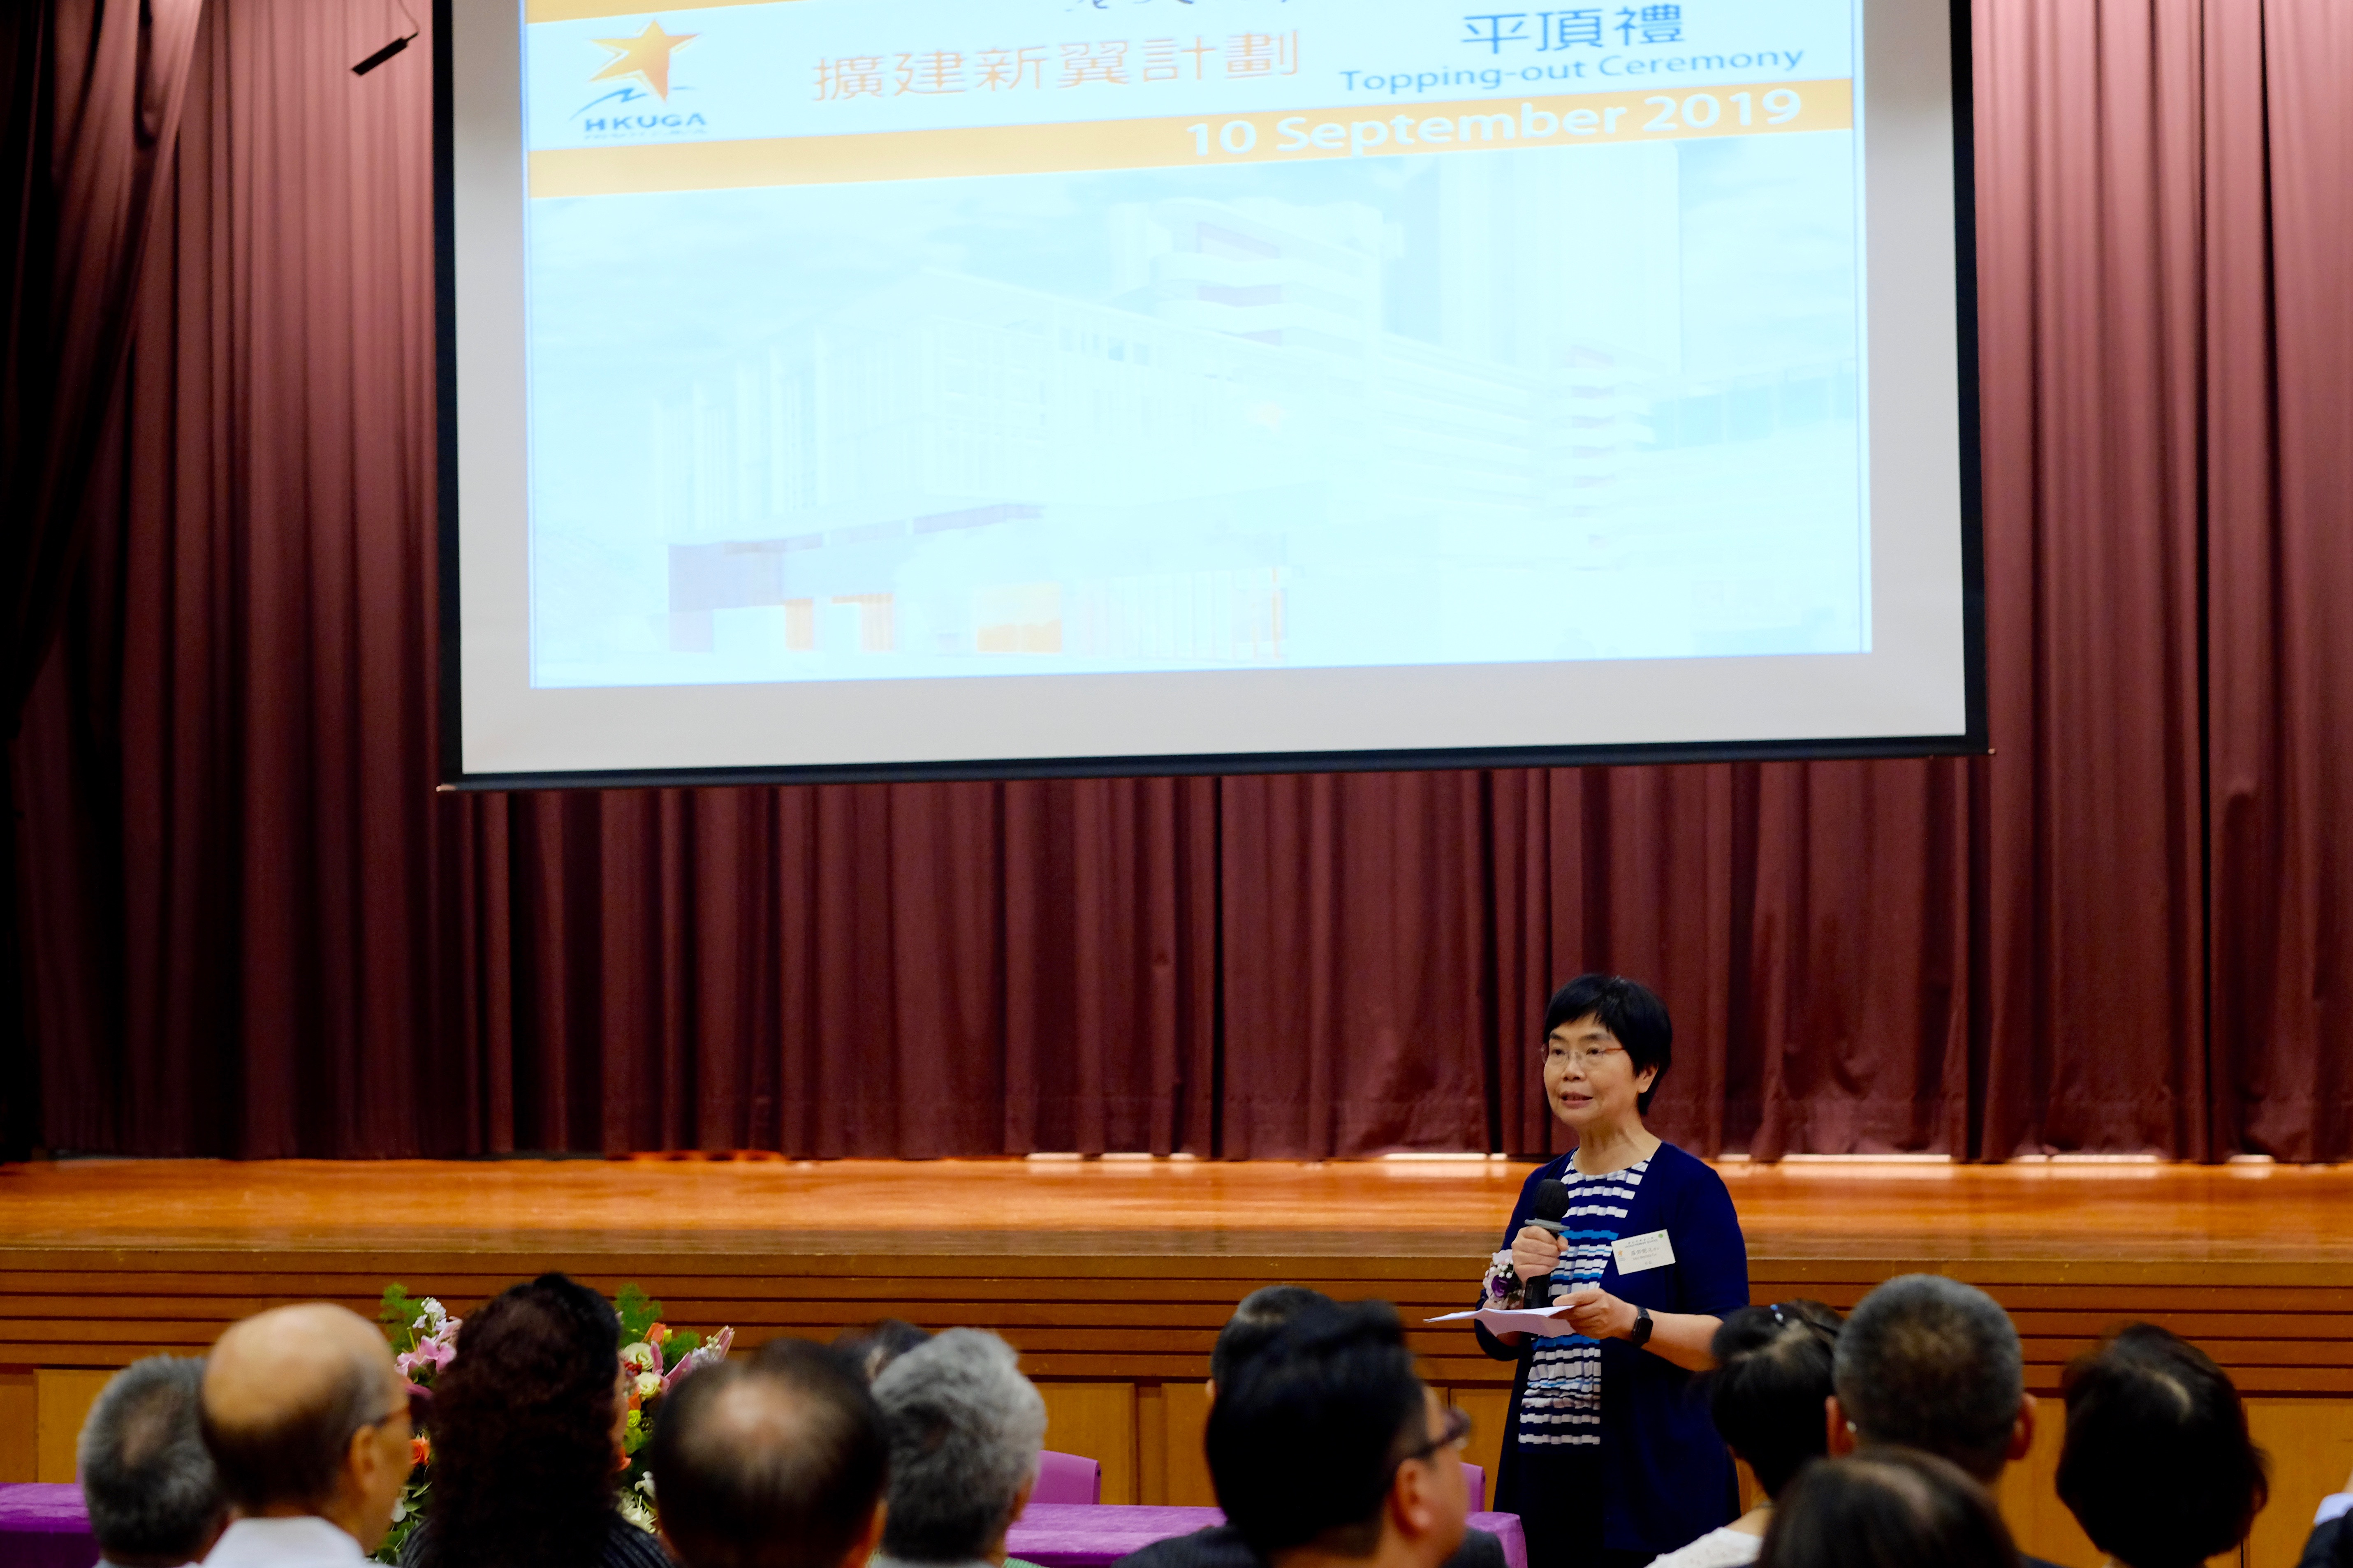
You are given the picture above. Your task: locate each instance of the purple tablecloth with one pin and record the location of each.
(1075, 1535)
(44, 1525)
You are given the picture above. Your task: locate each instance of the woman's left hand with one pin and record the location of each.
(1683, 1338)
(1596, 1313)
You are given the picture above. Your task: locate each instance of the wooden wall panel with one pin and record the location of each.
(1096, 1420)
(2031, 1502)
(1187, 1404)
(62, 1398)
(20, 1426)
(1488, 1408)
(2311, 1446)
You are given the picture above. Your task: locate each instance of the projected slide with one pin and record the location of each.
(952, 339)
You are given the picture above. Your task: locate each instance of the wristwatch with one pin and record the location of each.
(1641, 1334)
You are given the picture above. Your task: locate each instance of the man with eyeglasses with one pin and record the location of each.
(307, 1421)
(1248, 1334)
(1328, 1451)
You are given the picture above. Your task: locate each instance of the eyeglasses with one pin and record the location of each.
(1782, 1319)
(1591, 1056)
(1450, 1431)
(418, 1405)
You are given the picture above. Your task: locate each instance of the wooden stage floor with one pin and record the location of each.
(1113, 1275)
(2093, 1213)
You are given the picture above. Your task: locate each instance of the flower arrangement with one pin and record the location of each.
(654, 1355)
(657, 1357)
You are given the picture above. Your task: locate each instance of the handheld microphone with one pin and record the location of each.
(1552, 1207)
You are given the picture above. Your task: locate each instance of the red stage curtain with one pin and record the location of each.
(90, 105)
(253, 930)
(2278, 399)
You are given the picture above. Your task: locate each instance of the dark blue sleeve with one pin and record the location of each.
(1711, 1253)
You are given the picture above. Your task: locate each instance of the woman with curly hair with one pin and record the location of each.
(526, 1430)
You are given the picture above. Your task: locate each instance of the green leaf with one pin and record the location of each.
(396, 1312)
(638, 1312)
(680, 1342)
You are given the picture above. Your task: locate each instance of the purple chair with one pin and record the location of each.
(1067, 1477)
(1474, 1481)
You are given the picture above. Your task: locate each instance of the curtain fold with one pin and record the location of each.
(253, 929)
(2279, 386)
(90, 96)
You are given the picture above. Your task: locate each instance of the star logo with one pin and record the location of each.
(645, 57)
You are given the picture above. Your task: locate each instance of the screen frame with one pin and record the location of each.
(1973, 740)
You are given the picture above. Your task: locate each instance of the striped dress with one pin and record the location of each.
(1562, 1405)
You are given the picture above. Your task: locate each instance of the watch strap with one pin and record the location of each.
(1642, 1325)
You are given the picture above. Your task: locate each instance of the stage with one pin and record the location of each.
(1112, 1276)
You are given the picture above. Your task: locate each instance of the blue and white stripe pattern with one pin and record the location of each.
(1562, 1403)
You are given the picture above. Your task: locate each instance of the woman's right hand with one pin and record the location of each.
(1534, 1251)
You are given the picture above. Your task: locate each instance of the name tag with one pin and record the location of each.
(1636, 1253)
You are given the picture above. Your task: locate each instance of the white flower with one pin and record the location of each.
(638, 1512)
(648, 1384)
(646, 1483)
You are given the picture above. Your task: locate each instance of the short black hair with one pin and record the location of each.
(1306, 1435)
(2158, 1468)
(777, 1463)
(1888, 1508)
(1255, 1323)
(1931, 1363)
(152, 1491)
(867, 1349)
(1767, 1390)
(1632, 1014)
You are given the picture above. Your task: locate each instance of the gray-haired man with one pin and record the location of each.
(154, 1499)
(965, 1428)
(1925, 1361)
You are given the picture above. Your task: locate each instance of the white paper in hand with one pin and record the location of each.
(1544, 1322)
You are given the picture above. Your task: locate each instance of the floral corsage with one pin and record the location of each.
(1502, 1287)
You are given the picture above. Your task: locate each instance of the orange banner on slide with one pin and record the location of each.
(589, 10)
(1367, 129)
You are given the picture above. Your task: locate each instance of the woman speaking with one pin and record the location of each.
(1610, 1459)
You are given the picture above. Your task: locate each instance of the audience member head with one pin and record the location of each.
(1324, 1443)
(1631, 1012)
(154, 1499)
(1931, 1363)
(871, 1349)
(2158, 1467)
(304, 1412)
(525, 1431)
(1260, 1316)
(965, 1428)
(1767, 1389)
(776, 1463)
(1889, 1508)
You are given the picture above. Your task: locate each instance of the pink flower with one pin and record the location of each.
(432, 1354)
(715, 1351)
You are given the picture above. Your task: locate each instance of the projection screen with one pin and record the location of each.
(966, 388)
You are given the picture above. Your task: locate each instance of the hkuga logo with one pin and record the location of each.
(645, 59)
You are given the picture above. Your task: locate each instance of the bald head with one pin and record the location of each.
(778, 1464)
(284, 1392)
